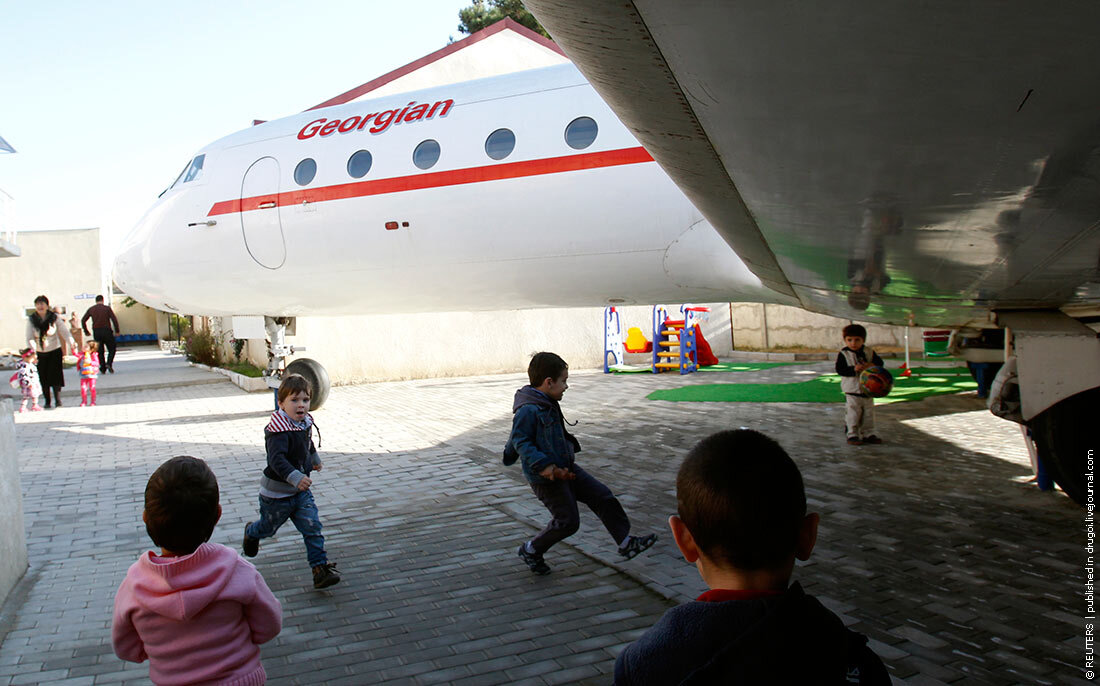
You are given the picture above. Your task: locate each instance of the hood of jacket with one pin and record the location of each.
(529, 395)
(181, 587)
(281, 422)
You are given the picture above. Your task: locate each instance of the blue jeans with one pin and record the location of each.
(298, 508)
(561, 498)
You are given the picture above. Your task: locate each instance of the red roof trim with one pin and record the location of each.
(454, 177)
(506, 23)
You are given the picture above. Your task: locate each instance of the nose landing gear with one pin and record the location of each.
(277, 367)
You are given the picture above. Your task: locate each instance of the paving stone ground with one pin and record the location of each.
(928, 545)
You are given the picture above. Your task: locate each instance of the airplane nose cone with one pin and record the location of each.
(133, 269)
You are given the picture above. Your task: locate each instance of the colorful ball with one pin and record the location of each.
(875, 381)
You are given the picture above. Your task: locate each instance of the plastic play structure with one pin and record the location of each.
(677, 345)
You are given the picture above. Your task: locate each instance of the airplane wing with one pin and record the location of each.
(891, 161)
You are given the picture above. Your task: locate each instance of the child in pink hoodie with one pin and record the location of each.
(198, 611)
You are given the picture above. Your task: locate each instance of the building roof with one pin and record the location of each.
(502, 48)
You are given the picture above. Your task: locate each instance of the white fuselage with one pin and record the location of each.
(546, 225)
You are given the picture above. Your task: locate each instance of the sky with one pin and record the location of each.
(106, 102)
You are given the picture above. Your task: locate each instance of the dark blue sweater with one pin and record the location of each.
(783, 639)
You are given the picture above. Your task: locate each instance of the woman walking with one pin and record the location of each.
(46, 334)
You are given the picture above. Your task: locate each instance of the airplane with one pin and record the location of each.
(450, 198)
(896, 162)
(453, 197)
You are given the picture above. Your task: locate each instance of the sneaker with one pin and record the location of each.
(58, 402)
(36, 408)
(852, 440)
(534, 561)
(872, 440)
(325, 575)
(250, 546)
(633, 545)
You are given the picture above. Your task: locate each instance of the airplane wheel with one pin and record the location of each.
(317, 377)
(1063, 435)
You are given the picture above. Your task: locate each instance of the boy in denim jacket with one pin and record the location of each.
(546, 452)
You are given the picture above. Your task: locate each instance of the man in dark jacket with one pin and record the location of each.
(102, 317)
(742, 521)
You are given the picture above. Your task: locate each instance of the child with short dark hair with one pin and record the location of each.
(87, 363)
(284, 486)
(853, 358)
(742, 521)
(197, 611)
(546, 450)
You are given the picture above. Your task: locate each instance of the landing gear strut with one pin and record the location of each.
(277, 367)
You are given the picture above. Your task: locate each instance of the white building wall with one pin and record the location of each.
(62, 265)
(359, 349)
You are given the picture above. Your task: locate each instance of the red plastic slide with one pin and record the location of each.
(705, 356)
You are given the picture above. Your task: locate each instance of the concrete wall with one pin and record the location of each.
(358, 349)
(392, 347)
(134, 319)
(13, 541)
(772, 327)
(62, 265)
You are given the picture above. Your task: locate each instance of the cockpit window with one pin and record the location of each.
(191, 172)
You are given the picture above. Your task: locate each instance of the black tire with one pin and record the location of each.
(1063, 434)
(317, 377)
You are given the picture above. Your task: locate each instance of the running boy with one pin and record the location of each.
(284, 487)
(853, 358)
(742, 521)
(539, 439)
(197, 611)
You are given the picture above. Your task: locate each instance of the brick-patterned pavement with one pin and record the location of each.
(957, 573)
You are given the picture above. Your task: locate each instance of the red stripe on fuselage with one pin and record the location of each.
(495, 172)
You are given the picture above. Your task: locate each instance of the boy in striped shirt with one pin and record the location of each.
(284, 487)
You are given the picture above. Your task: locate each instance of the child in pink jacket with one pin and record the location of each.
(87, 363)
(198, 611)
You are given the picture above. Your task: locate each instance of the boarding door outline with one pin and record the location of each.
(261, 223)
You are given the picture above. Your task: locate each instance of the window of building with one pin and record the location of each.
(359, 164)
(500, 144)
(305, 171)
(426, 154)
(581, 132)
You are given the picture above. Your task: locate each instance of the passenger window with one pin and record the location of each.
(359, 164)
(426, 154)
(581, 132)
(500, 144)
(305, 171)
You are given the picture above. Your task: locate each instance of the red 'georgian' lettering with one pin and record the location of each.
(311, 128)
(382, 120)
